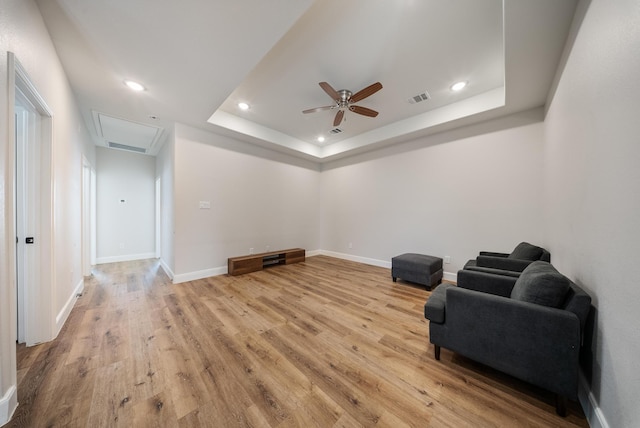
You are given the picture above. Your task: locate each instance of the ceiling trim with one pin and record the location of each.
(486, 101)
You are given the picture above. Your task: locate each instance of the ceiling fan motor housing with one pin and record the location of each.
(343, 99)
(345, 96)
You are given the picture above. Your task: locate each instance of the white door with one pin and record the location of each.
(158, 218)
(27, 203)
(33, 216)
(87, 218)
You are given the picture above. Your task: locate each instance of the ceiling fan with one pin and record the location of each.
(344, 100)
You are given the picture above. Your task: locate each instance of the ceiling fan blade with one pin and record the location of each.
(338, 120)
(368, 91)
(363, 111)
(313, 110)
(330, 91)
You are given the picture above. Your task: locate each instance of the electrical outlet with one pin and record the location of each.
(122, 245)
(267, 248)
(350, 245)
(251, 250)
(447, 259)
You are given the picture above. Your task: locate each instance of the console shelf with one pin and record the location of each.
(256, 262)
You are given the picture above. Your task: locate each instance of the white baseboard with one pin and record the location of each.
(125, 258)
(192, 276)
(165, 267)
(222, 270)
(62, 316)
(352, 258)
(590, 406)
(450, 276)
(8, 404)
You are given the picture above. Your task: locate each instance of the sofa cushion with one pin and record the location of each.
(526, 251)
(542, 284)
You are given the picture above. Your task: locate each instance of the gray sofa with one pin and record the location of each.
(529, 327)
(511, 264)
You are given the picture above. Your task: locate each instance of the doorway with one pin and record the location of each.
(33, 221)
(88, 217)
(158, 218)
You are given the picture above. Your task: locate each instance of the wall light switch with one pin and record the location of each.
(205, 205)
(447, 259)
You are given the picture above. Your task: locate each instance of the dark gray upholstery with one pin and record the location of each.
(510, 264)
(541, 283)
(535, 343)
(435, 309)
(526, 251)
(418, 268)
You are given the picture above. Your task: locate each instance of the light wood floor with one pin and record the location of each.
(325, 343)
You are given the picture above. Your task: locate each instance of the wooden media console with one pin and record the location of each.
(256, 262)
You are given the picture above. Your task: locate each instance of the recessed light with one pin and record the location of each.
(243, 106)
(458, 86)
(134, 86)
(320, 139)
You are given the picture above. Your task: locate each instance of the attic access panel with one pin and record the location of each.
(125, 132)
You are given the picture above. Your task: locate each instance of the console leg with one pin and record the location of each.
(394, 278)
(437, 352)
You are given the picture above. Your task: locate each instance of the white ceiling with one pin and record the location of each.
(199, 58)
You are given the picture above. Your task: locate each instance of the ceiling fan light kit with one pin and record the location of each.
(344, 100)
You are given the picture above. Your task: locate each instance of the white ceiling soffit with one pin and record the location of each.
(507, 50)
(389, 43)
(121, 133)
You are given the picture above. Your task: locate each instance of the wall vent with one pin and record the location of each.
(113, 145)
(419, 98)
(335, 131)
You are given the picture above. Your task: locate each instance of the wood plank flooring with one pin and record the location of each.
(323, 343)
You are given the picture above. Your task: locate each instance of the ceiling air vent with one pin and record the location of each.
(335, 131)
(125, 147)
(419, 98)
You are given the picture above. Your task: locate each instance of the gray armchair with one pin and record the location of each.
(510, 264)
(529, 327)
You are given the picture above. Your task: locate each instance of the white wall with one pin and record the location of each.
(255, 202)
(454, 194)
(24, 33)
(164, 171)
(592, 195)
(125, 230)
(481, 187)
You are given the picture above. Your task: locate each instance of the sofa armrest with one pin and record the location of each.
(494, 254)
(535, 343)
(499, 285)
(516, 265)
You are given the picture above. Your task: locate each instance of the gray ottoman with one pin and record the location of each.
(418, 268)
